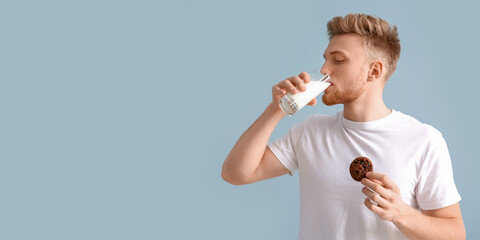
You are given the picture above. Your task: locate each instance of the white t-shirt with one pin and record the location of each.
(414, 155)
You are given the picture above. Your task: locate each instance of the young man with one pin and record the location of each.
(413, 187)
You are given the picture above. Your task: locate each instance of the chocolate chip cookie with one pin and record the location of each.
(359, 168)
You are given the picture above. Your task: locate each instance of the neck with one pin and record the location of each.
(366, 109)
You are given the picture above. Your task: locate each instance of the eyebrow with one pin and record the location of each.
(334, 52)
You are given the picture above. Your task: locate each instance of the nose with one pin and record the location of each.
(324, 70)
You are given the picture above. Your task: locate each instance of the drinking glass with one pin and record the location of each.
(292, 103)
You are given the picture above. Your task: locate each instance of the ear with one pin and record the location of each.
(375, 71)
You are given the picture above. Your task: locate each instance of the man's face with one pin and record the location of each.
(347, 64)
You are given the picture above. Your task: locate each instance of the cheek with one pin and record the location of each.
(346, 70)
(346, 75)
(341, 73)
(356, 74)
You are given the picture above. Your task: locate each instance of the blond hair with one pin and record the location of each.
(379, 38)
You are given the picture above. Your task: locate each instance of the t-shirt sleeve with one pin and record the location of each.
(285, 148)
(436, 187)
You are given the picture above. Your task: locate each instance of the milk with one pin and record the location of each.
(291, 103)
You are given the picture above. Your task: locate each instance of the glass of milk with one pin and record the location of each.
(291, 103)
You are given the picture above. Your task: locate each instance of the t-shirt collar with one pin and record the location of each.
(370, 124)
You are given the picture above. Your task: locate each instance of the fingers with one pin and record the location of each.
(298, 83)
(383, 191)
(375, 197)
(288, 85)
(374, 208)
(313, 102)
(305, 76)
(292, 84)
(376, 181)
(376, 187)
(276, 90)
(384, 179)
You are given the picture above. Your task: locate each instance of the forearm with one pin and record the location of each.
(417, 225)
(247, 153)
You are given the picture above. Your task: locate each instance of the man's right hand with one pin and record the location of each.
(250, 160)
(293, 85)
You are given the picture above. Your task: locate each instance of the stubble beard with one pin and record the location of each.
(345, 96)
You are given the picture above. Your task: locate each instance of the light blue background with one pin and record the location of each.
(116, 116)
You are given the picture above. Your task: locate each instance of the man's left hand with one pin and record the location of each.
(386, 194)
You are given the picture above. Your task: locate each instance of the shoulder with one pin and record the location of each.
(422, 130)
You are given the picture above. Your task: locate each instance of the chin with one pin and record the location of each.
(330, 101)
